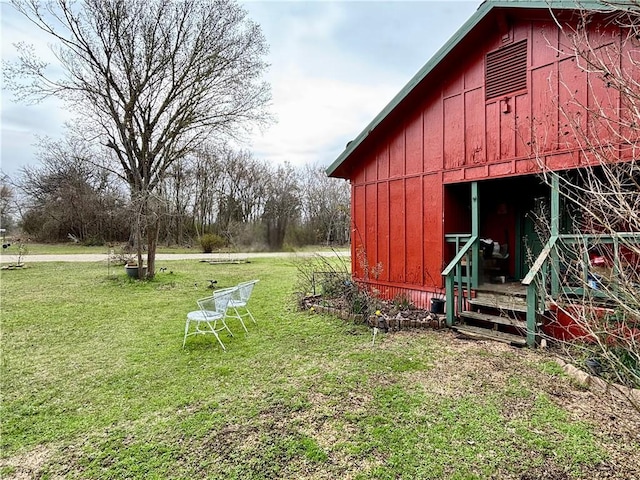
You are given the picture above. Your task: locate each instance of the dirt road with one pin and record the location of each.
(97, 257)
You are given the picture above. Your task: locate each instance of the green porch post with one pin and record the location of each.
(532, 310)
(475, 232)
(449, 300)
(555, 231)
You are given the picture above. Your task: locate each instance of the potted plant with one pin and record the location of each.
(131, 268)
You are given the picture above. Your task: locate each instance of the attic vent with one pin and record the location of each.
(506, 70)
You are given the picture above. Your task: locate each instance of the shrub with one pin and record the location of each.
(93, 241)
(402, 302)
(210, 242)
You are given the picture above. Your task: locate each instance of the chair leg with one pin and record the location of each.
(215, 333)
(219, 341)
(211, 329)
(226, 327)
(227, 315)
(251, 315)
(186, 333)
(239, 317)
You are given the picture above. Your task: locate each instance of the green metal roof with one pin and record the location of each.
(483, 10)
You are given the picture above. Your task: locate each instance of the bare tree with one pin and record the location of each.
(177, 192)
(598, 263)
(229, 191)
(7, 203)
(326, 206)
(151, 79)
(67, 197)
(244, 188)
(282, 204)
(208, 177)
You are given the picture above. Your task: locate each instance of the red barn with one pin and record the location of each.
(447, 175)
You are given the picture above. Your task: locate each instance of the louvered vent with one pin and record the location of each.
(506, 70)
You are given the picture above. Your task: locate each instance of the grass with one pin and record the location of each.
(78, 248)
(95, 384)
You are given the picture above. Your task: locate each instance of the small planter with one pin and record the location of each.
(437, 305)
(132, 271)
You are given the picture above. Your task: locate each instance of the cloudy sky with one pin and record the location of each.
(334, 66)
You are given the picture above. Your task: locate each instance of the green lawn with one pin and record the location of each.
(77, 248)
(95, 384)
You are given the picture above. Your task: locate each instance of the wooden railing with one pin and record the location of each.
(543, 280)
(595, 240)
(536, 281)
(454, 285)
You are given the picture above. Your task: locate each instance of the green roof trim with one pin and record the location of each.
(483, 10)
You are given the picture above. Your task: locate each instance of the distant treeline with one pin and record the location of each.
(222, 191)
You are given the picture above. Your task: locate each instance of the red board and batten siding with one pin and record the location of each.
(450, 133)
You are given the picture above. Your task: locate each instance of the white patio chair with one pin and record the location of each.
(213, 309)
(239, 300)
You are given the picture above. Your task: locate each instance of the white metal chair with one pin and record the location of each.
(239, 300)
(213, 309)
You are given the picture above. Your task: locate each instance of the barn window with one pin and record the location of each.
(506, 70)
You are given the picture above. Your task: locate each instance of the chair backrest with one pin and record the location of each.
(217, 302)
(244, 290)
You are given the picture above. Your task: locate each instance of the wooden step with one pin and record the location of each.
(501, 303)
(515, 294)
(485, 334)
(485, 317)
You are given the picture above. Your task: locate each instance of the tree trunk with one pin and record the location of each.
(153, 231)
(138, 236)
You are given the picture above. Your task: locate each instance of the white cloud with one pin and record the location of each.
(335, 65)
(314, 113)
(22, 124)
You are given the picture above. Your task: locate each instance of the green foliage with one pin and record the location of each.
(322, 275)
(402, 302)
(211, 241)
(618, 362)
(630, 362)
(93, 241)
(93, 373)
(333, 284)
(359, 301)
(551, 367)
(330, 277)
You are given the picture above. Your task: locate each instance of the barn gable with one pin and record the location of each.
(493, 20)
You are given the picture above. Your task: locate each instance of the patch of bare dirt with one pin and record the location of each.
(26, 465)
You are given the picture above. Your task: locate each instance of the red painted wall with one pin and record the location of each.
(445, 132)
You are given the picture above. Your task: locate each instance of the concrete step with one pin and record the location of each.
(486, 334)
